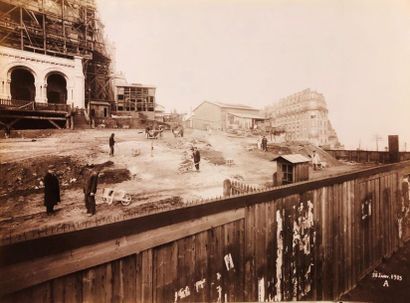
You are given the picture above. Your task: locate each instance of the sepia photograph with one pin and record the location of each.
(204, 151)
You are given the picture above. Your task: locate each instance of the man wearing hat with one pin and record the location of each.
(51, 190)
(90, 189)
(197, 157)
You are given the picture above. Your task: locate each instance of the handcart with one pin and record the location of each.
(110, 195)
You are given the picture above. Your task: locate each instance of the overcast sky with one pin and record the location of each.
(357, 53)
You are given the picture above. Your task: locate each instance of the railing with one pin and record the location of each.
(31, 105)
(235, 187)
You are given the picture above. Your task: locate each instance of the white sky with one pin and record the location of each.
(357, 53)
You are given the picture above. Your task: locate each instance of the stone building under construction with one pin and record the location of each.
(53, 59)
(303, 116)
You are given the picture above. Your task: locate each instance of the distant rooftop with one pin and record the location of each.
(250, 116)
(232, 105)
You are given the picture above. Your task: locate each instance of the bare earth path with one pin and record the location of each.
(153, 167)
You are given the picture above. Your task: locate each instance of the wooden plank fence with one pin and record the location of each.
(312, 240)
(366, 156)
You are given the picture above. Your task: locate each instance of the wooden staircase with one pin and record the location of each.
(80, 121)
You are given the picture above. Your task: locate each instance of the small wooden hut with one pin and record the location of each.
(291, 169)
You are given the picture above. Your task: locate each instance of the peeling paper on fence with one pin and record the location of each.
(261, 290)
(400, 227)
(279, 258)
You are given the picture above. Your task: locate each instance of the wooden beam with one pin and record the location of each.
(16, 276)
(8, 12)
(54, 124)
(31, 117)
(13, 122)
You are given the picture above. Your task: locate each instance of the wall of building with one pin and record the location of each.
(211, 115)
(207, 115)
(41, 66)
(304, 117)
(226, 111)
(134, 98)
(235, 122)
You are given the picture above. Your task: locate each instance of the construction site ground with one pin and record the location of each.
(147, 169)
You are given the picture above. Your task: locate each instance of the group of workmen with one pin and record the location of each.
(52, 185)
(52, 190)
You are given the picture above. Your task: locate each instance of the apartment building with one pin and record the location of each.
(304, 117)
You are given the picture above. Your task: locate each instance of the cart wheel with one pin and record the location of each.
(126, 200)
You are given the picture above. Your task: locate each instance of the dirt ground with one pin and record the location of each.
(147, 169)
(389, 282)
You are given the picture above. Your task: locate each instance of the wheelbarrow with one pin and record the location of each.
(110, 195)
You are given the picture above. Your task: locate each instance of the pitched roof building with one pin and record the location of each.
(223, 116)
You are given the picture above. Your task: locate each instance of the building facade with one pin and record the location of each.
(44, 79)
(53, 52)
(304, 117)
(223, 116)
(134, 97)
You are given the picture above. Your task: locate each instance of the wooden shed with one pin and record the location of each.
(291, 169)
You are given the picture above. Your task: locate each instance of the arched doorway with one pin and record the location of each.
(22, 85)
(56, 89)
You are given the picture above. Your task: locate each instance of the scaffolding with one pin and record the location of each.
(61, 28)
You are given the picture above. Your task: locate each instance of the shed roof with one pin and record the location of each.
(227, 105)
(250, 116)
(293, 158)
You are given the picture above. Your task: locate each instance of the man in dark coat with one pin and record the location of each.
(111, 143)
(197, 157)
(51, 191)
(264, 144)
(90, 188)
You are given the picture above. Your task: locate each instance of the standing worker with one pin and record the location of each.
(7, 132)
(315, 160)
(197, 157)
(90, 188)
(264, 144)
(51, 190)
(111, 143)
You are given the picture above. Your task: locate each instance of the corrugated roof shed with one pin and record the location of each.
(294, 158)
(250, 116)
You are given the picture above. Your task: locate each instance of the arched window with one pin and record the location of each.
(56, 89)
(22, 84)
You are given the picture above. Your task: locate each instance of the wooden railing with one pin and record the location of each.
(31, 105)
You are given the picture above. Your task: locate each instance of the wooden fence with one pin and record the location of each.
(312, 240)
(365, 156)
(235, 187)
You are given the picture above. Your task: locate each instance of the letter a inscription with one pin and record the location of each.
(385, 283)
